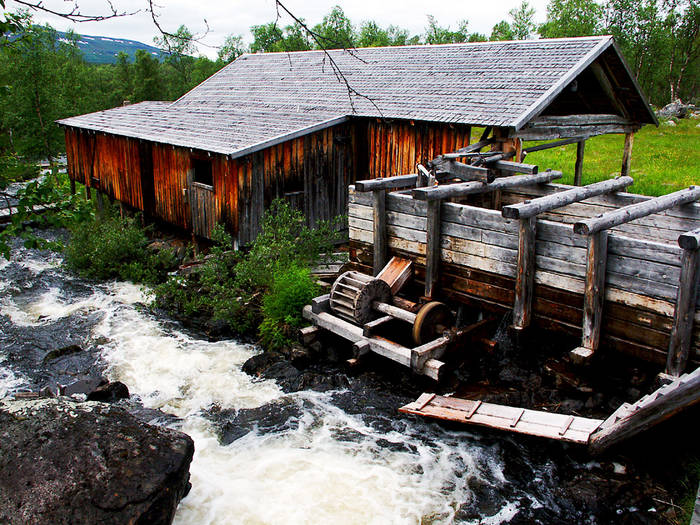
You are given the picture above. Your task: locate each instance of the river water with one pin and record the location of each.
(317, 461)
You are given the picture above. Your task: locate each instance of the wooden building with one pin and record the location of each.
(305, 125)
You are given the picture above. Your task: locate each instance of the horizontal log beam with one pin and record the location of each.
(637, 211)
(560, 132)
(515, 167)
(572, 120)
(399, 181)
(690, 240)
(555, 144)
(463, 171)
(449, 191)
(529, 208)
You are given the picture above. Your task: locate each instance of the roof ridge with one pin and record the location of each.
(424, 46)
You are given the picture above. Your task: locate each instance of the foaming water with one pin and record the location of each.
(325, 466)
(10, 382)
(309, 475)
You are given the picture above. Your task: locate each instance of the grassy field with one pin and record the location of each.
(664, 159)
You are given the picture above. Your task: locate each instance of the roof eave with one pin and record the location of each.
(542, 102)
(652, 114)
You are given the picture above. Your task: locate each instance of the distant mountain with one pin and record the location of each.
(104, 50)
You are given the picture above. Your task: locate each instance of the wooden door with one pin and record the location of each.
(202, 206)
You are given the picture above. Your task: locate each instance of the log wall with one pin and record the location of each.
(478, 266)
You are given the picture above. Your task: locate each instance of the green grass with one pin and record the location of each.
(664, 159)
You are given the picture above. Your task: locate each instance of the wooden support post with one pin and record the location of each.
(525, 278)
(379, 223)
(88, 193)
(72, 186)
(596, 263)
(682, 330)
(578, 168)
(100, 204)
(432, 254)
(627, 154)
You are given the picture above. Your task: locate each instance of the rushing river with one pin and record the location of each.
(318, 464)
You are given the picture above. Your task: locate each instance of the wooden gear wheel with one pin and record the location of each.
(353, 293)
(431, 321)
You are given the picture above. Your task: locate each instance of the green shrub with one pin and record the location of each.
(116, 247)
(292, 288)
(237, 288)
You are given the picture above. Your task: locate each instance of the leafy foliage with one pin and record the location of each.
(43, 203)
(292, 288)
(116, 247)
(235, 288)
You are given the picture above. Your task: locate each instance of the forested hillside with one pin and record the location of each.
(46, 75)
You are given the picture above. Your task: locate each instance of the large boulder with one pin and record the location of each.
(68, 462)
(675, 109)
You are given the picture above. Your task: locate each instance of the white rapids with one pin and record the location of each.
(329, 467)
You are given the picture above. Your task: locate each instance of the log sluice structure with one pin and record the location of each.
(618, 270)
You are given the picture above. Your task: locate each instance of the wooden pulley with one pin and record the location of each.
(353, 294)
(431, 321)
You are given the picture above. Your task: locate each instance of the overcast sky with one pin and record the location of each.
(236, 16)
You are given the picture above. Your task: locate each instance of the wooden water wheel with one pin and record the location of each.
(352, 296)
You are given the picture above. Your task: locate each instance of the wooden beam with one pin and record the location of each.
(647, 412)
(627, 154)
(399, 181)
(369, 329)
(574, 120)
(463, 171)
(604, 82)
(684, 312)
(525, 277)
(578, 167)
(431, 350)
(562, 132)
(636, 211)
(555, 144)
(432, 252)
(594, 296)
(449, 191)
(690, 240)
(396, 273)
(530, 208)
(380, 247)
(515, 167)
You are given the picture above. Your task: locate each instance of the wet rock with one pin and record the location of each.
(256, 365)
(84, 386)
(109, 392)
(66, 462)
(60, 352)
(278, 416)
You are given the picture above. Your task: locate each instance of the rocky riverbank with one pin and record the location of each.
(63, 461)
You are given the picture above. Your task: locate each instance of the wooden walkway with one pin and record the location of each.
(627, 421)
(561, 427)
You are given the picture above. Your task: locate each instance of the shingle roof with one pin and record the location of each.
(263, 97)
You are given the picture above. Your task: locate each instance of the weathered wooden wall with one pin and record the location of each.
(479, 254)
(395, 147)
(311, 172)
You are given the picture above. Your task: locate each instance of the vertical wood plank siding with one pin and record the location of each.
(395, 147)
(311, 172)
